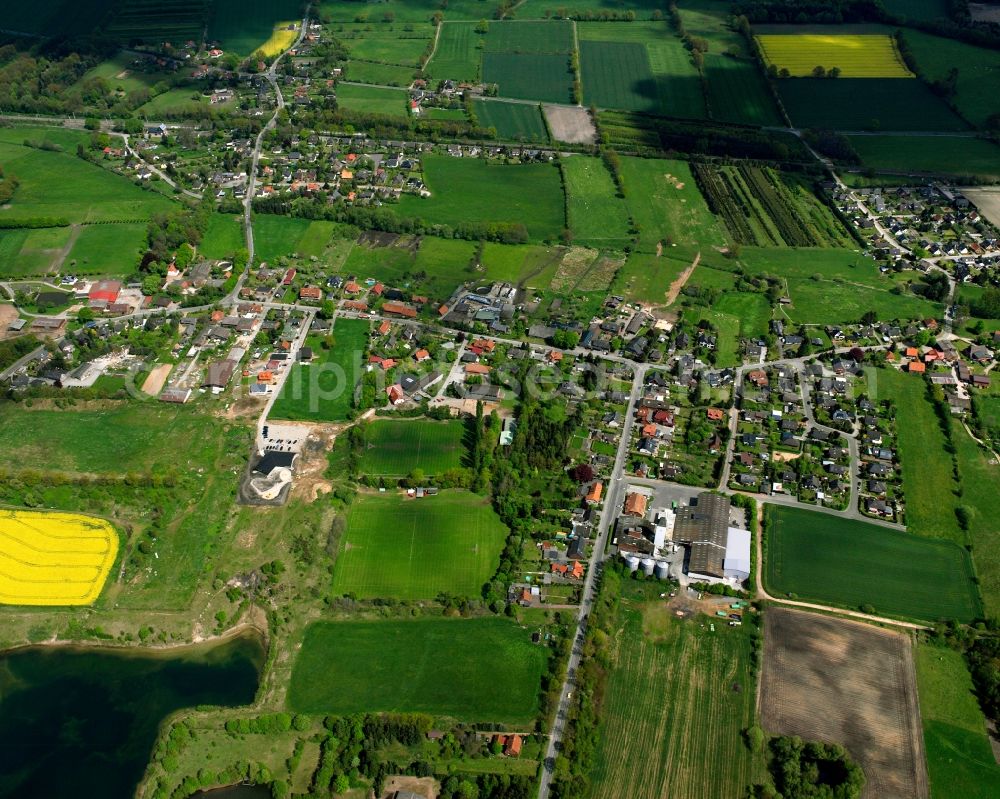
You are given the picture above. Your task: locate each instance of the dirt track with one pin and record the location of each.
(845, 682)
(675, 288)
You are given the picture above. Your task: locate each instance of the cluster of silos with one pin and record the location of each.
(651, 567)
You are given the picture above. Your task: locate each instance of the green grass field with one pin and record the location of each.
(978, 82)
(401, 10)
(646, 278)
(401, 548)
(727, 328)
(175, 101)
(388, 44)
(866, 104)
(618, 75)
(530, 76)
(324, 390)
(530, 194)
(107, 250)
(555, 36)
(927, 471)
(515, 121)
(929, 155)
(666, 204)
(680, 695)
(373, 100)
(223, 237)
(738, 93)
(823, 558)
(395, 447)
(598, 217)
(37, 251)
(753, 311)
(475, 670)
(457, 54)
(275, 236)
(242, 28)
(59, 184)
(384, 74)
(960, 762)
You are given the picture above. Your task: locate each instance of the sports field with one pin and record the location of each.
(395, 447)
(397, 547)
(528, 194)
(824, 558)
(856, 55)
(474, 670)
(960, 762)
(49, 558)
(323, 391)
(675, 689)
(598, 217)
(929, 155)
(516, 121)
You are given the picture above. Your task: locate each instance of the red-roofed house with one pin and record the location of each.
(395, 394)
(442, 310)
(310, 293)
(715, 414)
(477, 369)
(377, 289)
(421, 355)
(399, 309)
(352, 288)
(105, 291)
(288, 278)
(384, 328)
(355, 305)
(513, 746)
(916, 367)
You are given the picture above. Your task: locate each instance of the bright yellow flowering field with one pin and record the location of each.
(50, 558)
(857, 55)
(281, 39)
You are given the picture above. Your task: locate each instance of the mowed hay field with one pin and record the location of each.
(49, 558)
(960, 762)
(677, 700)
(824, 558)
(598, 217)
(857, 55)
(843, 682)
(475, 670)
(516, 121)
(396, 547)
(395, 447)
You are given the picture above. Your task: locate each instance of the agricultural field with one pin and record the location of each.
(512, 121)
(396, 447)
(57, 17)
(373, 100)
(555, 36)
(922, 155)
(667, 206)
(458, 53)
(399, 10)
(475, 670)
(823, 558)
(275, 236)
(598, 217)
(106, 250)
(223, 237)
(324, 390)
(978, 82)
(384, 74)
(51, 558)
(646, 278)
(543, 77)
(35, 251)
(763, 207)
(825, 679)
(960, 762)
(824, 285)
(244, 28)
(675, 688)
(638, 67)
(155, 21)
(282, 37)
(856, 55)
(396, 547)
(58, 184)
(528, 194)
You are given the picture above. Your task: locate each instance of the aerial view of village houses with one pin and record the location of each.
(500, 399)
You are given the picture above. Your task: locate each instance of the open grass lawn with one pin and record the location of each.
(978, 83)
(598, 217)
(243, 27)
(980, 488)
(530, 76)
(457, 53)
(928, 483)
(324, 390)
(175, 101)
(667, 206)
(396, 547)
(529, 194)
(753, 311)
(395, 447)
(61, 185)
(646, 278)
(866, 104)
(675, 689)
(475, 670)
(520, 263)
(225, 236)
(960, 762)
(37, 251)
(373, 99)
(960, 156)
(834, 286)
(513, 121)
(386, 43)
(824, 558)
(274, 236)
(107, 250)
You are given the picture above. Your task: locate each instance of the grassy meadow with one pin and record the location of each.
(512, 121)
(397, 547)
(940, 155)
(395, 447)
(823, 558)
(598, 217)
(474, 670)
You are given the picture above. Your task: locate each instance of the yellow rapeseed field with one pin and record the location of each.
(856, 55)
(49, 558)
(281, 39)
